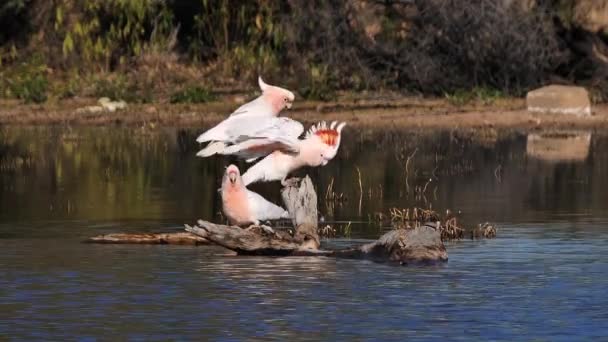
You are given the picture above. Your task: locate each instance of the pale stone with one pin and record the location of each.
(559, 146)
(112, 106)
(559, 99)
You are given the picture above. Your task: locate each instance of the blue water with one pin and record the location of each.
(542, 278)
(534, 282)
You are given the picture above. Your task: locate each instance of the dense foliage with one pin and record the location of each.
(143, 48)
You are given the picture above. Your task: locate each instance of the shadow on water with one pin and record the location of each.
(543, 277)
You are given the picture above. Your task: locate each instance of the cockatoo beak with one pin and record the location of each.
(323, 163)
(232, 177)
(288, 104)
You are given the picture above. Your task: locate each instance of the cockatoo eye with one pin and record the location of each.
(285, 99)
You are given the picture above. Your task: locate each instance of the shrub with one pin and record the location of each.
(30, 88)
(194, 94)
(123, 87)
(27, 81)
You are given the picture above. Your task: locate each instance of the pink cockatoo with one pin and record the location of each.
(283, 152)
(246, 118)
(245, 207)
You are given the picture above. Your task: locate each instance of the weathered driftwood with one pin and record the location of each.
(422, 244)
(301, 203)
(253, 240)
(178, 238)
(419, 245)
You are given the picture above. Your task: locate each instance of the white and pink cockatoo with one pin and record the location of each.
(283, 152)
(245, 120)
(244, 207)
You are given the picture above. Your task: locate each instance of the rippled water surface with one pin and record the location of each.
(543, 278)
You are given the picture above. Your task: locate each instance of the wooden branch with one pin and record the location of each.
(254, 240)
(178, 238)
(422, 244)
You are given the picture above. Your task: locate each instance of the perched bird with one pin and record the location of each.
(283, 152)
(245, 207)
(245, 119)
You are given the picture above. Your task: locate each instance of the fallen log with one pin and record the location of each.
(403, 246)
(177, 238)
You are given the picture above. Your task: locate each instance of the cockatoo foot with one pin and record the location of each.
(267, 229)
(293, 181)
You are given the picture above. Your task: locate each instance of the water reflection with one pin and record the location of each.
(559, 146)
(112, 175)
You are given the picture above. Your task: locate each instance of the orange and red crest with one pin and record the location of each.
(329, 134)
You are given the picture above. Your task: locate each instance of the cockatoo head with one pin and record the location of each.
(278, 97)
(232, 177)
(326, 138)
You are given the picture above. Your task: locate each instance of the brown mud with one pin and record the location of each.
(410, 112)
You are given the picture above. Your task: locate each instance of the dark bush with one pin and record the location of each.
(315, 47)
(431, 46)
(478, 43)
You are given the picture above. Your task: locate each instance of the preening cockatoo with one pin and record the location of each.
(245, 119)
(283, 152)
(245, 207)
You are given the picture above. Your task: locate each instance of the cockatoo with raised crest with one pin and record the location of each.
(244, 207)
(283, 152)
(247, 118)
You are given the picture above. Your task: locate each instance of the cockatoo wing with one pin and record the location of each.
(255, 148)
(258, 108)
(268, 127)
(263, 209)
(253, 138)
(239, 128)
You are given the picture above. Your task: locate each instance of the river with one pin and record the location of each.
(542, 278)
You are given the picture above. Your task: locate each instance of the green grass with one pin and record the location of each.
(484, 95)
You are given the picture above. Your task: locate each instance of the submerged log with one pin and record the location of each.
(178, 238)
(405, 246)
(422, 244)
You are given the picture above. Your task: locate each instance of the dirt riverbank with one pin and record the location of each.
(380, 113)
